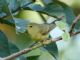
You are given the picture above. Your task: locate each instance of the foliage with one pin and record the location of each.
(9, 9)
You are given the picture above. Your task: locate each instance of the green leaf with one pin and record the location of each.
(23, 40)
(7, 48)
(40, 54)
(8, 6)
(66, 36)
(25, 2)
(21, 24)
(61, 25)
(47, 1)
(1, 5)
(36, 7)
(13, 4)
(32, 58)
(52, 49)
(46, 56)
(36, 52)
(8, 22)
(70, 16)
(5, 8)
(4, 47)
(53, 9)
(13, 48)
(2, 14)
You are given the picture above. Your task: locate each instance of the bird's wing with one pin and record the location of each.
(44, 29)
(47, 28)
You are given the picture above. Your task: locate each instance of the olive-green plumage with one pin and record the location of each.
(40, 32)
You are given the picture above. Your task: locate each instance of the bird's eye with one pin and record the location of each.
(30, 26)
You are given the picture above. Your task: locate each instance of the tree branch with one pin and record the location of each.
(75, 33)
(14, 55)
(43, 18)
(73, 24)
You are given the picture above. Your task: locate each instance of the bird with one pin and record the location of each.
(39, 32)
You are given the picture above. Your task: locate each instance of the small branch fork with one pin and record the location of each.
(73, 25)
(26, 50)
(76, 33)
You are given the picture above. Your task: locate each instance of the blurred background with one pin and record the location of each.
(74, 4)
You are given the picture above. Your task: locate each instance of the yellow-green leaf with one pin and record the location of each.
(61, 25)
(66, 36)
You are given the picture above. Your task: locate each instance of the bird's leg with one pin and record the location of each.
(42, 42)
(45, 41)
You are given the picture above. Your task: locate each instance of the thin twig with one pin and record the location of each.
(43, 18)
(14, 55)
(60, 18)
(75, 33)
(73, 24)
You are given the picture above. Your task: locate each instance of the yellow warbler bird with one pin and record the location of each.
(40, 32)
